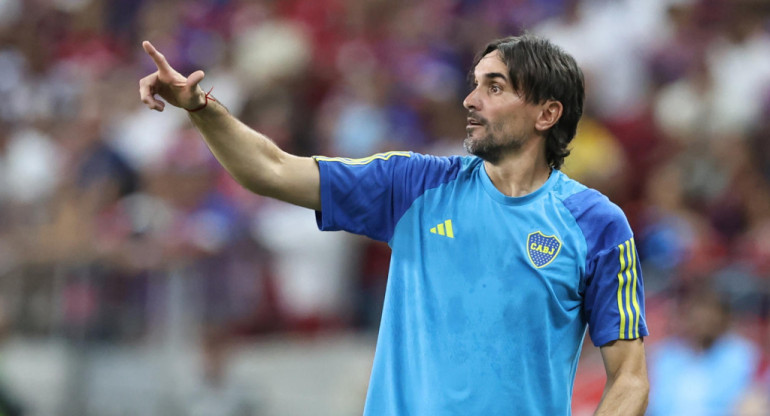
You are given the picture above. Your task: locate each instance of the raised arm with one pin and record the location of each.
(251, 158)
(627, 388)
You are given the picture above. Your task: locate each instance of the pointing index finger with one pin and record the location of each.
(157, 57)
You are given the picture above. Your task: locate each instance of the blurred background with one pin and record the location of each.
(137, 278)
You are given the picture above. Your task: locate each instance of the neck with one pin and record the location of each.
(522, 172)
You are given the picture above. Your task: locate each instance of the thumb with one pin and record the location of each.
(194, 79)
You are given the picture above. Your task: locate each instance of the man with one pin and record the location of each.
(499, 260)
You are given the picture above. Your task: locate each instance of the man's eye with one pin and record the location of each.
(495, 89)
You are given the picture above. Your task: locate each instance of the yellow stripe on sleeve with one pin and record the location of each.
(637, 309)
(620, 292)
(628, 289)
(362, 161)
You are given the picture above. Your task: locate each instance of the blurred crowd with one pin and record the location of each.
(112, 216)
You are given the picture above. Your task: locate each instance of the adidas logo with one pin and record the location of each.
(444, 229)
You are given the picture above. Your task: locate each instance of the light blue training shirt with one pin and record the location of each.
(488, 296)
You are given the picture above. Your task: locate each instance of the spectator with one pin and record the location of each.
(704, 369)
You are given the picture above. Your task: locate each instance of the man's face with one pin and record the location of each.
(499, 120)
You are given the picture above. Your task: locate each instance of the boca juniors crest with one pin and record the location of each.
(542, 249)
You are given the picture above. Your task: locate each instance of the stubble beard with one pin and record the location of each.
(490, 147)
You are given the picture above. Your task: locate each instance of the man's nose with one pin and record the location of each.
(471, 101)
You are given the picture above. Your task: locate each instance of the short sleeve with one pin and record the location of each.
(613, 288)
(614, 295)
(368, 196)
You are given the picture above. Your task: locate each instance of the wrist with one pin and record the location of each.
(206, 98)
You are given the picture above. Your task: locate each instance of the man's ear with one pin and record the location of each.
(550, 113)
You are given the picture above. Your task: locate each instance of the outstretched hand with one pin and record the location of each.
(170, 85)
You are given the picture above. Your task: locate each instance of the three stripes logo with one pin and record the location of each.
(628, 306)
(445, 229)
(362, 161)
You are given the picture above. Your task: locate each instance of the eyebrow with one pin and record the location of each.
(493, 75)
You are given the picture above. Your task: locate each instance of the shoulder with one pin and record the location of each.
(444, 162)
(602, 222)
(402, 160)
(413, 172)
(429, 171)
(736, 345)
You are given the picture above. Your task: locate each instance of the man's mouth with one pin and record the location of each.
(472, 122)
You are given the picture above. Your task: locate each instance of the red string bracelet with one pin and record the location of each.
(205, 102)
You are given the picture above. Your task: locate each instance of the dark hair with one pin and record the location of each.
(541, 71)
